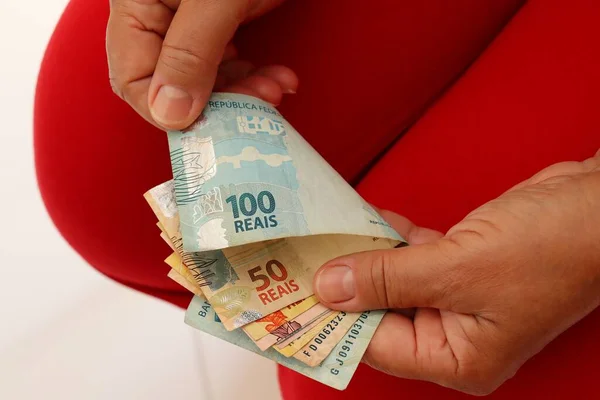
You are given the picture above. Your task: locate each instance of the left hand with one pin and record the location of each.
(166, 57)
(491, 292)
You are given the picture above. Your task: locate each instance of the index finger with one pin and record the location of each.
(133, 43)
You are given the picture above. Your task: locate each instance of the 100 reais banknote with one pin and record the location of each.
(253, 211)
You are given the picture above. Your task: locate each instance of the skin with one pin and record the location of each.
(464, 322)
(165, 57)
(457, 297)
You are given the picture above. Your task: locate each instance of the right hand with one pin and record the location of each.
(167, 56)
(492, 292)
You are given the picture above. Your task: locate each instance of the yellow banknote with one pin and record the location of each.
(163, 204)
(319, 347)
(167, 240)
(177, 277)
(299, 343)
(174, 261)
(262, 327)
(294, 328)
(296, 335)
(185, 278)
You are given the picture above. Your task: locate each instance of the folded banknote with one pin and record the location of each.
(260, 209)
(252, 212)
(242, 174)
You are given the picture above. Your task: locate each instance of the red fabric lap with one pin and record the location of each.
(529, 101)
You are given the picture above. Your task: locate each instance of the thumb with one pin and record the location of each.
(414, 276)
(189, 60)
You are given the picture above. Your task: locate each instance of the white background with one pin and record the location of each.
(66, 332)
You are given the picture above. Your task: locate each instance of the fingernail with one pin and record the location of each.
(335, 284)
(290, 91)
(172, 105)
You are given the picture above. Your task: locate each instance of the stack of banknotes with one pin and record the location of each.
(251, 214)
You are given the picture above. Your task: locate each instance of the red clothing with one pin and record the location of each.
(432, 108)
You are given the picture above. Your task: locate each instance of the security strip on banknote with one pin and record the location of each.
(252, 212)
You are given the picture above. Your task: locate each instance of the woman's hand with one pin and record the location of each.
(166, 56)
(491, 292)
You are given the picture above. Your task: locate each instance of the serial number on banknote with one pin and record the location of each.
(329, 328)
(347, 346)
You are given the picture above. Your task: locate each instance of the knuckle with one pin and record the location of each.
(117, 86)
(479, 380)
(243, 9)
(482, 387)
(481, 391)
(372, 362)
(381, 280)
(184, 61)
(130, 19)
(592, 164)
(120, 87)
(123, 9)
(238, 9)
(141, 15)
